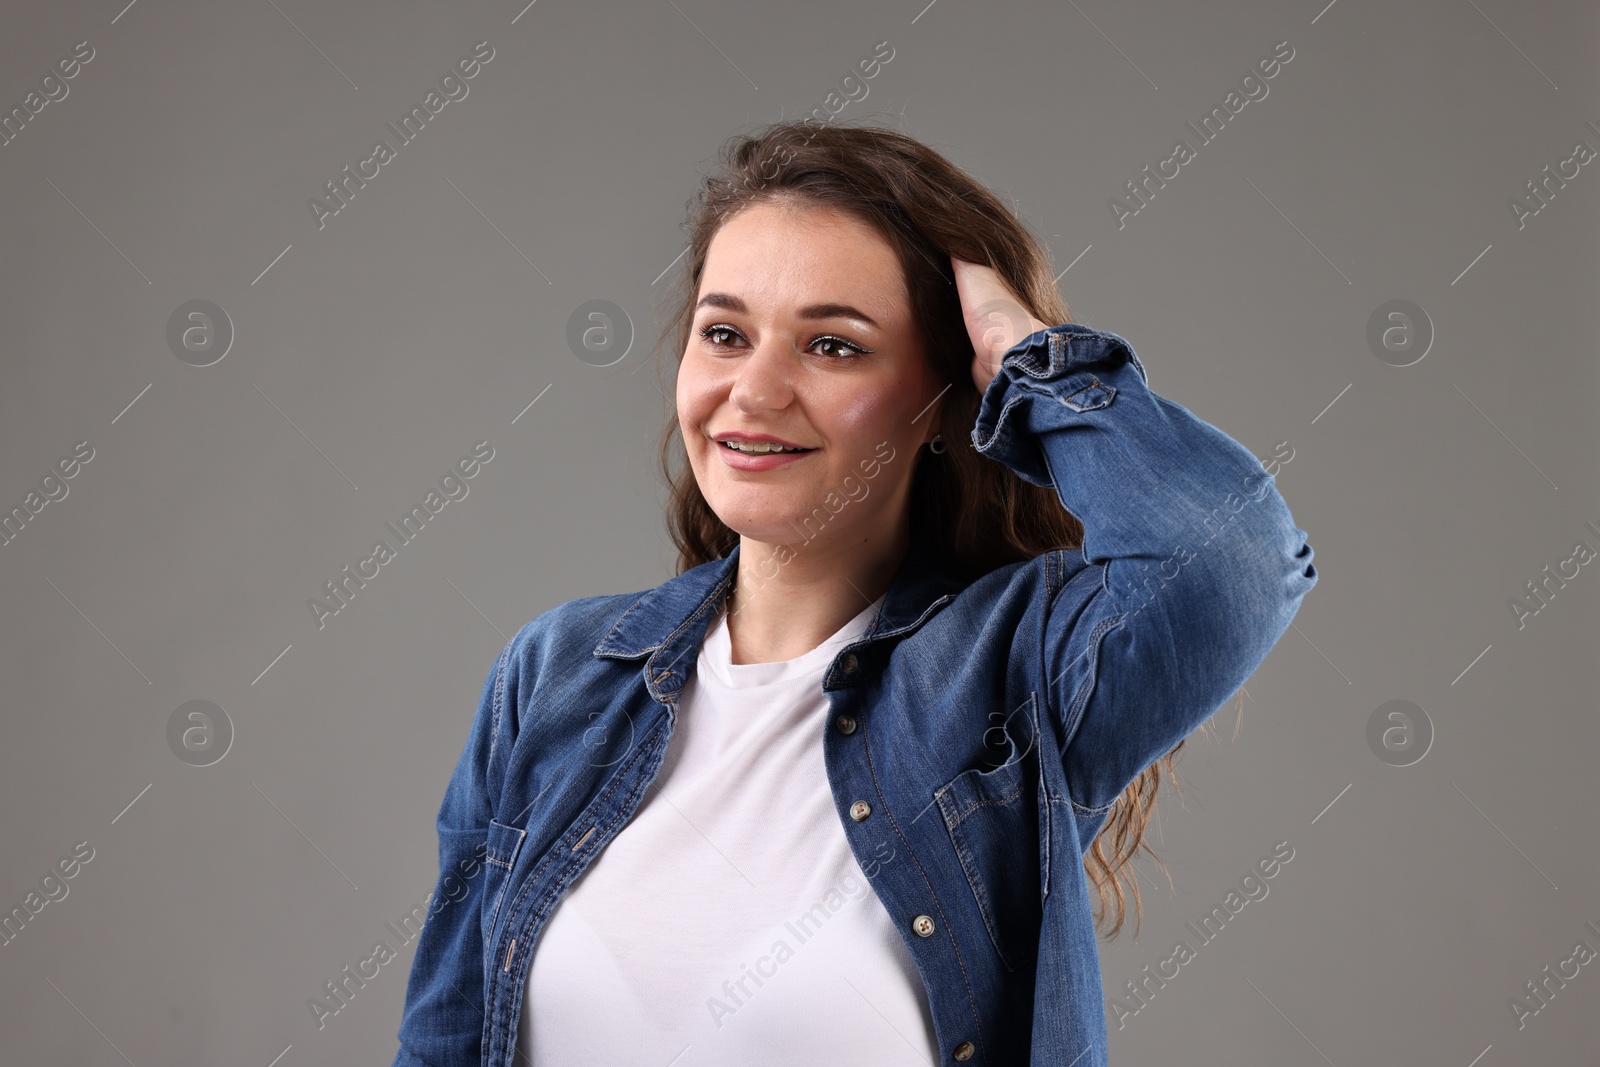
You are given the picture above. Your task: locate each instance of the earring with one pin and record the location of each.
(937, 446)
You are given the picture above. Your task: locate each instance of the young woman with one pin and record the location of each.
(954, 585)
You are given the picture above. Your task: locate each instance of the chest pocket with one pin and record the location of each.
(992, 815)
(500, 855)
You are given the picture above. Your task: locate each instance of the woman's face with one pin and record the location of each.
(803, 333)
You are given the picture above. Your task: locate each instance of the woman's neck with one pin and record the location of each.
(788, 599)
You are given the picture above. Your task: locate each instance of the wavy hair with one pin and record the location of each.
(980, 514)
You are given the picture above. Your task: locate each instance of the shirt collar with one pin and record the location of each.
(670, 621)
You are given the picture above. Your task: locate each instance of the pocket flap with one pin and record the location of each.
(993, 823)
(1090, 397)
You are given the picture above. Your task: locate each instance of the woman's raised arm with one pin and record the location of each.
(1191, 566)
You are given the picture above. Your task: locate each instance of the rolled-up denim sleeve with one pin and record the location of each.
(442, 1022)
(1191, 566)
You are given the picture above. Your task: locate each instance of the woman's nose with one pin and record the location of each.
(762, 379)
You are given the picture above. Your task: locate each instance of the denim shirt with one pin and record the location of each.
(990, 726)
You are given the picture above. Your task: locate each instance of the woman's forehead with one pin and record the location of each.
(776, 258)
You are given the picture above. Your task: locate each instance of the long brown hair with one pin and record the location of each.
(980, 514)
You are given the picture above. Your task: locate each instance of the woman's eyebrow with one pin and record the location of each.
(729, 302)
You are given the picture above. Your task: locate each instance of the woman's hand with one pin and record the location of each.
(996, 320)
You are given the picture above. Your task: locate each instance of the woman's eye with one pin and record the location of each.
(718, 336)
(714, 335)
(837, 343)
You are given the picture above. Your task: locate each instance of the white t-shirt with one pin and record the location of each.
(729, 922)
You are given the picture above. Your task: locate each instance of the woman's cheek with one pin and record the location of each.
(691, 399)
(865, 414)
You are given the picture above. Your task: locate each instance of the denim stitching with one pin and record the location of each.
(974, 806)
(1081, 697)
(533, 877)
(497, 706)
(712, 600)
(1095, 383)
(974, 883)
(1059, 344)
(980, 893)
(540, 912)
(1046, 819)
(614, 626)
(966, 979)
(508, 865)
(999, 425)
(554, 852)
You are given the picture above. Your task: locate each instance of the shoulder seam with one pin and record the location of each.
(498, 705)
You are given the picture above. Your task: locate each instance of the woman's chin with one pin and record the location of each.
(761, 533)
(765, 528)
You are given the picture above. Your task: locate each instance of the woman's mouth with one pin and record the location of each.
(759, 455)
(759, 448)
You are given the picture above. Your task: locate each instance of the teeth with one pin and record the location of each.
(758, 447)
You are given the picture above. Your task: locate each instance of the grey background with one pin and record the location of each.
(432, 310)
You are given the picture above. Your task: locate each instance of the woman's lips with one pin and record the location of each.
(746, 461)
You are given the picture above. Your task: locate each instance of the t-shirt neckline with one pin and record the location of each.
(717, 651)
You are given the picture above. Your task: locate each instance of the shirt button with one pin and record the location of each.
(860, 810)
(922, 925)
(846, 724)
(964, 1051)
(850, 663)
